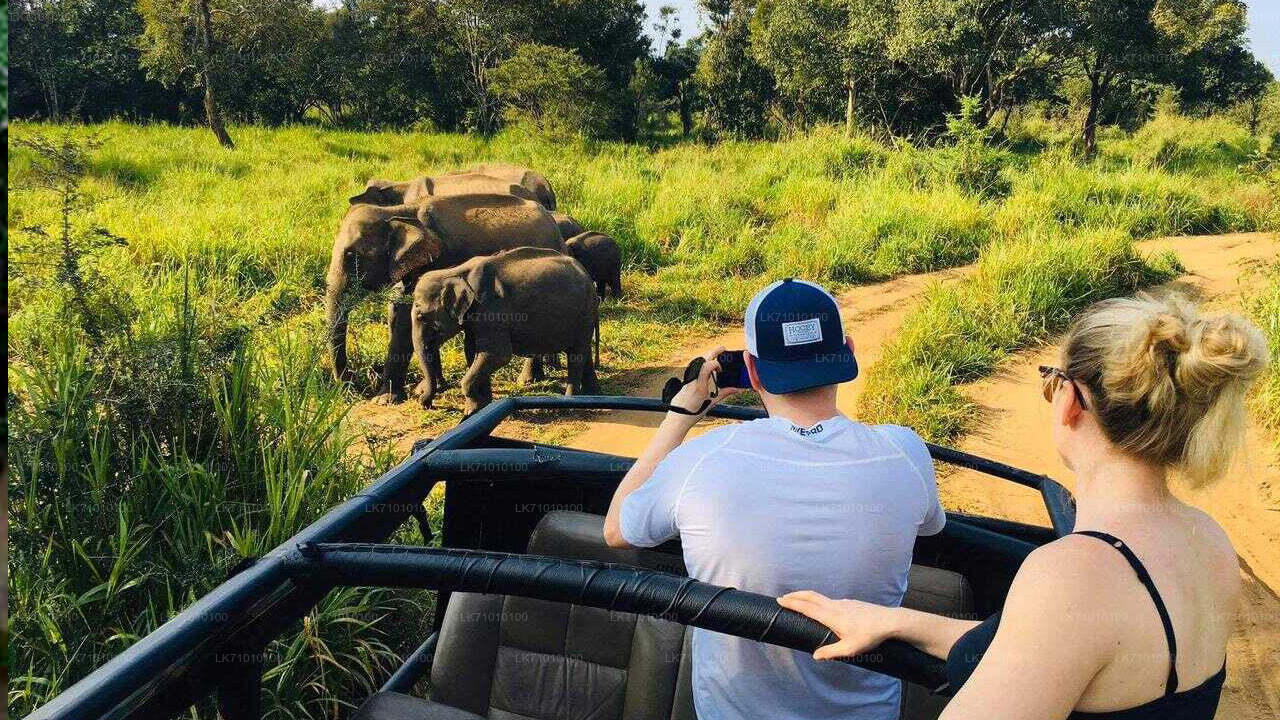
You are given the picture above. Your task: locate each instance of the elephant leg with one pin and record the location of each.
(590, 384)
(436, 368)
(532, 370)
(401, 347)
(576, 359)
(553, 361)
(477, 384)
(468, 348)
(616, 282)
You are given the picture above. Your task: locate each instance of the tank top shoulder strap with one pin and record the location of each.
(1144, 577)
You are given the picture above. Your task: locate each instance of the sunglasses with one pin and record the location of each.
(1052, 379)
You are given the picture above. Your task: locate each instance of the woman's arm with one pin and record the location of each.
(1054, 636)
(862, 626)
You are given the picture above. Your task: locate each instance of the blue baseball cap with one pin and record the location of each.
(795, 333)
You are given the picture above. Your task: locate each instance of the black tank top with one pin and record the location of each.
(1198, 703)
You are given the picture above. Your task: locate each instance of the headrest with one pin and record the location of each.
(580, 536)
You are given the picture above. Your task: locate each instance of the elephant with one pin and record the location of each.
(527, 301)
(532, 180)
(599, 254)
(409, 192)
(568, 225)
(381, 246)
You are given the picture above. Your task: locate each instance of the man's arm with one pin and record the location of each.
(670, 435)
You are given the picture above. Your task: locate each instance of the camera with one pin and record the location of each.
(733, 370)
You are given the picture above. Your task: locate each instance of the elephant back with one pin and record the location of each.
(532, 180)
(472, 183)
(538, 277)
(477, 224)
(416, 189)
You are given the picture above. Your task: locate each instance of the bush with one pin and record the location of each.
(552, 89)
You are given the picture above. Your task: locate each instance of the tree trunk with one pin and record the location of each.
(686, 109)
(850, 97)
(206, 78)
(1089, 133)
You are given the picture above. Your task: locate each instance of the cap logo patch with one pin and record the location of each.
(801, 332)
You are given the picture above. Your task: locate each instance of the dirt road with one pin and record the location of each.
(1247, 502)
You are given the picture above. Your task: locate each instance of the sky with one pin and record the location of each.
(1264, 25)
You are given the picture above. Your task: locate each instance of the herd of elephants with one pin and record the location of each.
(482, 252)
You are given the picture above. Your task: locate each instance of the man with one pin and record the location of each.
(805, 498)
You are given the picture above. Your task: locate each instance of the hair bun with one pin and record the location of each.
(1169, 384)
(1223, 349)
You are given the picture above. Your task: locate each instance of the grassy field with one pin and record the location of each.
(202, 427)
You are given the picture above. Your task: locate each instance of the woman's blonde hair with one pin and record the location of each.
(1167, 383)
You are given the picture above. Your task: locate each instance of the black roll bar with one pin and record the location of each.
(607, 586)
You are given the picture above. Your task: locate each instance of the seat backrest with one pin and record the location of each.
(942, 592)
(511, 657)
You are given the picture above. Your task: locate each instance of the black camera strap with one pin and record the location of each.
(691, 372)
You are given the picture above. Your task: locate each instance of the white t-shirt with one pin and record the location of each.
(769, 507)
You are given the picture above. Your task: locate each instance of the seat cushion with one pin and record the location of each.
(396, 706)
(512, 658)
(942, 592)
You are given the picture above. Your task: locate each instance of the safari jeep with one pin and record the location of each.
(537, 617)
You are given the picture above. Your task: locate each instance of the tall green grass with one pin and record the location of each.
(1263, 306)
(1021, 293)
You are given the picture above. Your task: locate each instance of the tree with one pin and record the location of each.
(981, 48)
(178, 38)
(1218, 76)
(1113, 41)
(804, 45)
(391, 62)
(676, 82)
(553, 90)
(736, 90)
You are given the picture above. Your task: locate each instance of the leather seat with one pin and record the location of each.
(513, 658)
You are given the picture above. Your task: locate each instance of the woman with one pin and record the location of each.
(1129, 616)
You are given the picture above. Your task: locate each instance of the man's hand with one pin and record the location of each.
(694, 394)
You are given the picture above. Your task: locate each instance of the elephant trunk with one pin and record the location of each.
(337, 308)
(425, 355)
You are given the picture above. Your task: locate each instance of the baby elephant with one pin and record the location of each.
(599, 254)
(527, 301)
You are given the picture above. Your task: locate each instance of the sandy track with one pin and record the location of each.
(1247, 503)
(872, 315)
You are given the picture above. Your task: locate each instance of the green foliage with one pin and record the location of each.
(806, 45)
(975, 166)
(735, 88)
(67, 255)
(553, 90)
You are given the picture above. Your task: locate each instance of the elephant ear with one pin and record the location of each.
(369, 196)
(373, 193)
(412, 248)
(477, 287)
